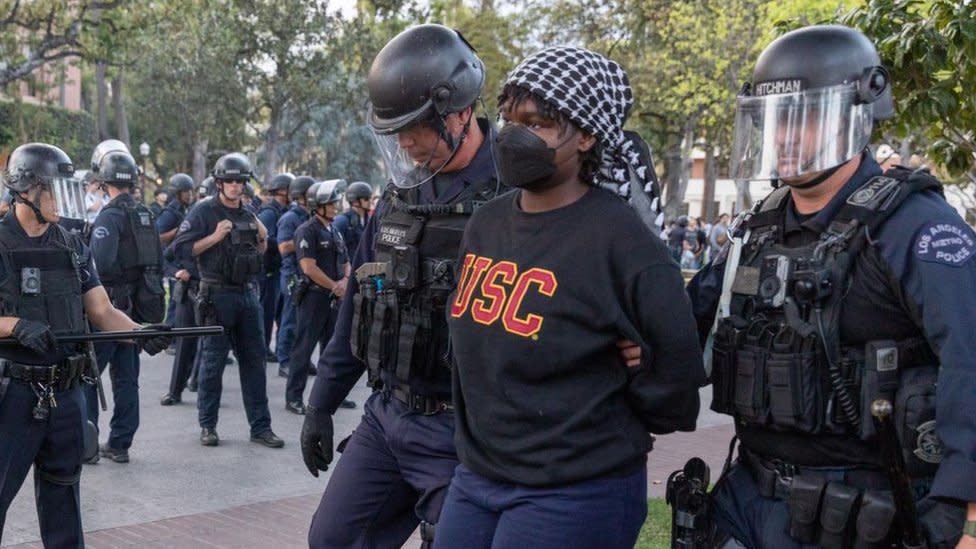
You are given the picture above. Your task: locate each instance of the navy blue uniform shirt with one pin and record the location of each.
(169, 219)
(351, 226)
(338, 367)
(926, 252)
(324, 245)
(106, 234)
(287, 225)
(269, 214)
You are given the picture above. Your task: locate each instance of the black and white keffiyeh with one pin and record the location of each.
(594, 93)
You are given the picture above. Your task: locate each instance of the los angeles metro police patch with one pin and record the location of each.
(948, 243)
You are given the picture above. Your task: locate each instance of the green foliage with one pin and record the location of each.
(656, 533)
(72, 131)
(929, 47)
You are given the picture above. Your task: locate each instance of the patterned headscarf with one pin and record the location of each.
(594, 93)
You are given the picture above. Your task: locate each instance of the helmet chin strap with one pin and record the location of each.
(823, 176)
(32, 206)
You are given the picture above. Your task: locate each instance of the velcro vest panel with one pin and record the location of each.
(236, 259)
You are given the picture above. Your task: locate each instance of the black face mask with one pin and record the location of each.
(523, 159)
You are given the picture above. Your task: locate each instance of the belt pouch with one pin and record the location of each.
(806, 492)
(724, 344)
(836, 514)
(374, 348)
(405, 342)
(874, 519)
(750, 391)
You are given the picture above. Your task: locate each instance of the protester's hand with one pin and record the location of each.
(316, 440)
(224, 227)
(156, 345)
(630, 352)
(36, 336)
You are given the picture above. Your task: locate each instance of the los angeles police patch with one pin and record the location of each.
(100, 232)
(184, 226)
(950, 243)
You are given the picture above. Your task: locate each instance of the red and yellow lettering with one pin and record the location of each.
(471, 272)
(493, 292)
(531, 323)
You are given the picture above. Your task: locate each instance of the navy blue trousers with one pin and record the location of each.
(286, 325)
(240, 315)
(54, 447)
(122, 360)
(269, 291)
(317, 316)
(186, 348)
(393, 473)
(480, 513)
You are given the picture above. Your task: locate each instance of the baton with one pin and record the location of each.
(129, 334)
(901, 484)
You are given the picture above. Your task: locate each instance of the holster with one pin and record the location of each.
(806, 493)
(301, 290)
(179, 292)
(203, 309)
(836, 515)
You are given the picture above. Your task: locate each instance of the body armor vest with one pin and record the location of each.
(399, 324)
(235, 260)
(41, 282)
(139, 292)
(777, 358)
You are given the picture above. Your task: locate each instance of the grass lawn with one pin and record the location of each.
(656, 533)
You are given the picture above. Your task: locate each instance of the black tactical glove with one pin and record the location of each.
(36, 336)
(156, 345)
(316, 439)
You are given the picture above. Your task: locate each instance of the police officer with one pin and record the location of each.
(126, 250)
(842, 288)
(383, 486)
(228, 243)
(324, 263)
(49, 286)
(352, 222)
(167, 222)
(287, 225)
(269, 214)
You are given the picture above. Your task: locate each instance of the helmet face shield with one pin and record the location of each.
(403, 171)
(69, 197)
(791, 134)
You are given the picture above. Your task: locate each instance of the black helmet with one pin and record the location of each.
(299, 186)
(280, 182)
(232, 167)
(358, 190)
(118, 169)
(208, 187)
(180, 182)
(424, 72)
(36, 164)
(324, 192)
(821, 56)
(249, 190)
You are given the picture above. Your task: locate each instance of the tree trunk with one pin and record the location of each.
(271, 143)
(118, 107)
(200, 160)
(672, 163)
(708, 212)
(101, 108)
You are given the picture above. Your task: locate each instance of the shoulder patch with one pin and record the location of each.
(100, 232)
(184, 226)
(303, 244)
(950, 243)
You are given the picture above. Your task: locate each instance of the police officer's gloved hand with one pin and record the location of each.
(158, 344)
(36, 336)
(316, 439)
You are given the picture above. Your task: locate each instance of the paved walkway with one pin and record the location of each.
(177, 494)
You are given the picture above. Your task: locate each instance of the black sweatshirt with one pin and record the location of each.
(542, 394)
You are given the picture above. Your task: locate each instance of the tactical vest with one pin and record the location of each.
(139, 292)
(235, 260)
(399, 323)
(777, 358)
(41, 282)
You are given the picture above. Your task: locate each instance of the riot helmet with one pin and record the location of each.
(359, 190)
(811, 105)
(310, 195)
(298, 188)
(207, 188)
(280, 182)
(421, 76)
(324, 193)
(118, 169)
(105, 147)
(180, 182)
(249, 190)
(232, 167)
(41, 165)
